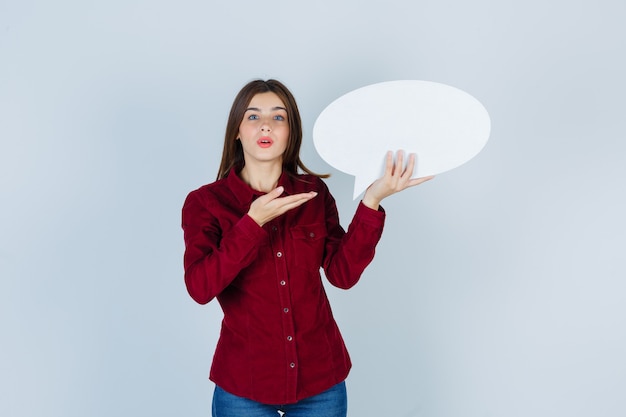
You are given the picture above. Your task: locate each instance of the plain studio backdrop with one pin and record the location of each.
(498, 288)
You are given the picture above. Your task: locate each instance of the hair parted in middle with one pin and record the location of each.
(232, 155)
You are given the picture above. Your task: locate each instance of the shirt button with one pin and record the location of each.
(274, 228)
(286, 310)
(283, 283)
(292, 365)
(289, 338)
(279, 254)
(312, 234)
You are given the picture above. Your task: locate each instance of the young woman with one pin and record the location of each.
(256, 239)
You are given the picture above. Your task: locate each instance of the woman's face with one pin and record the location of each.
(264, 130)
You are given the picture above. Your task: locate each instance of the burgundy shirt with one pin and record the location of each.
(279, 342)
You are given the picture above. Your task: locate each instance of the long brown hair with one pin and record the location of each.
(232, 155)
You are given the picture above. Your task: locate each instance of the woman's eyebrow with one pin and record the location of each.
(272, 109)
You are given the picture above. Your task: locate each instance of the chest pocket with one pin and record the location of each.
(308, 245)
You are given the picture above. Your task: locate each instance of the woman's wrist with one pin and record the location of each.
(371, 202)
(257, 221)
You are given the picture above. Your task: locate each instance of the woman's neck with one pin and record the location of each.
(261, 177)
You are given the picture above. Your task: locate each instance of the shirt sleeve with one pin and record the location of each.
(347, 254)
(214, 258)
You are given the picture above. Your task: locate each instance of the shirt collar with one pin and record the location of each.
(246, 194)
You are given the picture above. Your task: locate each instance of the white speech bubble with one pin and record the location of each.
(444, 126)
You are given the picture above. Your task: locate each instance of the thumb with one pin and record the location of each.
(275, 193)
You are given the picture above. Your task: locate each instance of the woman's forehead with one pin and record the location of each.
(267, 100)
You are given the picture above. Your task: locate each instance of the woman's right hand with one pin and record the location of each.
(272, 205)
(395, 179)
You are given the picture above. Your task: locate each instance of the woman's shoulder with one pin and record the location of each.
(208, 192)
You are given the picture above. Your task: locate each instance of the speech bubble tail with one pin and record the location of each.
(360, 185)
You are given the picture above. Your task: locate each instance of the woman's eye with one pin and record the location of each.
(253, 117)
(279, 117)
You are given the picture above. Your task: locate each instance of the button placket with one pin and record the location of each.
(284, 292)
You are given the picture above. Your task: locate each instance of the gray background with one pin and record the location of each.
(497, 289)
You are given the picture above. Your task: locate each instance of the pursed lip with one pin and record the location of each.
(265, 142)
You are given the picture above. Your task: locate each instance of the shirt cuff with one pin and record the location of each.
(370, 216)
(251, 229)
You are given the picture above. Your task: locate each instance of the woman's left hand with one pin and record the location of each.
(395, 179)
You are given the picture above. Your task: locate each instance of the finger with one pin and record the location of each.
(293, 201)
(399, 166)
(389, 163)
(277, 192)
(418, 181)
(296, 198)
(272, 195)
(410, 166)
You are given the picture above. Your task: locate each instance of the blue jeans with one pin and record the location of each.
(330, 403)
